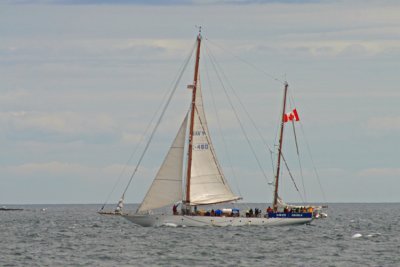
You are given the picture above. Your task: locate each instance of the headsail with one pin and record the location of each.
(207, 183)
(167, 185)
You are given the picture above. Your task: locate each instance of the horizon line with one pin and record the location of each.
(100, 204)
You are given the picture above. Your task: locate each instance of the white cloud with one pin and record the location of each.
(13, 95)
(58, 169)
(312, 47)
(87, 51)
(380, 173)
(383, 124)
(47, 168)
(62, 126)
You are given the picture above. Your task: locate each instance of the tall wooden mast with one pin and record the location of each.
(191, 125)
(275, 204)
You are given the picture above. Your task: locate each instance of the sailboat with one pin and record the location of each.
(204, 181)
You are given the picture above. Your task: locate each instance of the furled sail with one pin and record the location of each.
(207, 183)
(281, 204)
(167, 185)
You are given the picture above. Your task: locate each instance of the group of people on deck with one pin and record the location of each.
(256, 213)
(218, 212)
(235, 212)
(293, 210)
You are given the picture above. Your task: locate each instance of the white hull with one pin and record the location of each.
(186, 220)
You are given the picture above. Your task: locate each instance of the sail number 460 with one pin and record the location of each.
(200, 147)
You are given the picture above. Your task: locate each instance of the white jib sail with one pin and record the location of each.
(167, 185)
(207, 183)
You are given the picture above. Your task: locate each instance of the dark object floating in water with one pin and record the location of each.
(9, 209)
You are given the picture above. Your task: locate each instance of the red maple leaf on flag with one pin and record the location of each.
(292, 116)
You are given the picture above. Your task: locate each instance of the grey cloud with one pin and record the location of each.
(160, 2)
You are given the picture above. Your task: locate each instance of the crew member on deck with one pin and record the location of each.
(251, 213)
(285, 210)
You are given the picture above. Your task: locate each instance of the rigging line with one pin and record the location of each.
(298, 158)
(293, 105)
(295, 139)
(291, 176)
(160, 118)
(312, 160)
(291, 97)
(246, 62)
(277, 130)
(144, 134)
(237, 118)
(130, 158)
(244, 108)
(242, 105)
(209, 140)
(302, 180)
(272, 162)
(248, 115)
(166, 179)
(309, 151)
(211, 147)
(220, 130)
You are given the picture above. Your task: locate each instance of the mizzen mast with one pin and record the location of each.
(275, 204)
(191, 123)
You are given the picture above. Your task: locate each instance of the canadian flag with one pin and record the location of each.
(292, 116)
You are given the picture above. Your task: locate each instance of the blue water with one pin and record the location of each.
(75, 235)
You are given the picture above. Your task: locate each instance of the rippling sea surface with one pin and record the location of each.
(75, 235)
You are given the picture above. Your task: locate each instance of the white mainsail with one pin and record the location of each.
(167, 185)
(207, 183)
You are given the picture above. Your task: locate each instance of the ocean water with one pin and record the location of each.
(75, 235)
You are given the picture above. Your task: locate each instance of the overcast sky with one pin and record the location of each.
(80, 81)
